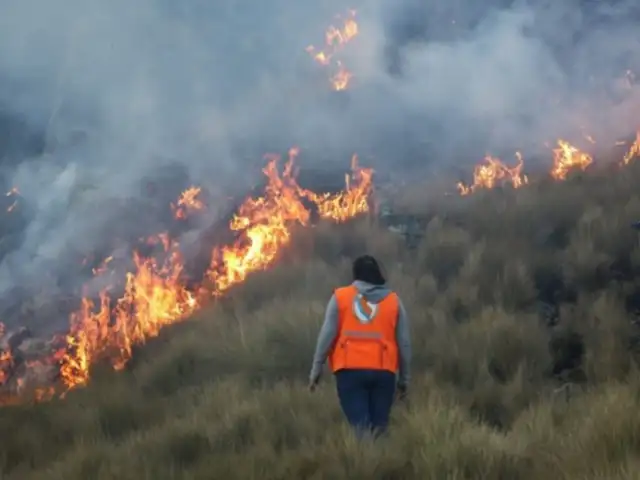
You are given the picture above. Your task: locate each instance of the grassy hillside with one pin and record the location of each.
(523, 315)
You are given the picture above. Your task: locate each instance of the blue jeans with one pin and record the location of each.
(366, 397)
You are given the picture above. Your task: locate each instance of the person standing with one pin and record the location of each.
(365, 336)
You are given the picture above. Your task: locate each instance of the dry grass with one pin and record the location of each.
(500, 391)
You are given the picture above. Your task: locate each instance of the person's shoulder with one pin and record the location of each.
(344, 288)
(344, 293)
(397, 297)
(394, 293)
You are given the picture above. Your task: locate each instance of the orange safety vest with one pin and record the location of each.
(366, 332)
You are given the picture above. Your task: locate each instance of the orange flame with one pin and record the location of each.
(353, 201)
(492, 172)
(189, 201)
(335, 40)
(634, 150)
(155, 295)
(6, 360)
(340, 80)
(566, 157)
(264, 224)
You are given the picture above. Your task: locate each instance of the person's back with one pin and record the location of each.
(366, 338)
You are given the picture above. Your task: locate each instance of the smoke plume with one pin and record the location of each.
(97, 99)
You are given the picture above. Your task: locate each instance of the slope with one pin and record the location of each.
(523, 310)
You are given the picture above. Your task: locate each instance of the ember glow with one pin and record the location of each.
(335, 40)
(155, 294)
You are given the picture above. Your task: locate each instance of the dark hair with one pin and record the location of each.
(366, 269)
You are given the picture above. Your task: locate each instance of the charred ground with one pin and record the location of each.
(524, 311)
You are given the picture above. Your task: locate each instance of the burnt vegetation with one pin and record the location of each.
(524, 307)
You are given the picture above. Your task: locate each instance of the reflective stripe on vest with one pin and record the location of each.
(366, 332)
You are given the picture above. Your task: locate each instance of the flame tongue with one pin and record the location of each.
(353, 201)
(335, 41)
(188, 202)
(566, 157)
(155, 294)
(6, 363)
(153, 297)
(492, 172)
(6, 359)
(264, 225)
(634, 150)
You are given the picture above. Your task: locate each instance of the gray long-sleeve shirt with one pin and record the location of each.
(329, 331)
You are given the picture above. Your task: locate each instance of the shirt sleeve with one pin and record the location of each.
(403, 339)
(326, 337)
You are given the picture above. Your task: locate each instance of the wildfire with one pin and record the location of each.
(492, 172)
(353, 201)
(340, 80)
(265, 223)
(6, 359)
(264, 227)
(335, 40)
(566, 157)
(188, 202)
(153, 298)
(634, 151)
(155, 294)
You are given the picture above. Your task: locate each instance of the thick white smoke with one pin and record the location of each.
(121, 91)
